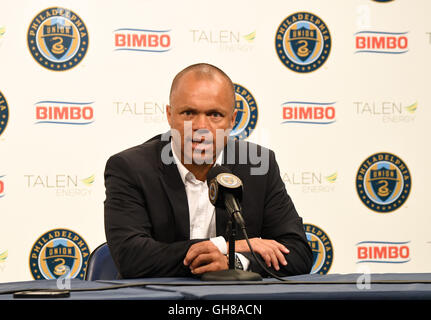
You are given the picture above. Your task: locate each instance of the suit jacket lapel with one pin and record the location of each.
(176, 193)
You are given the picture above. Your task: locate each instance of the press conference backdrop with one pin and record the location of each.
(339, 89)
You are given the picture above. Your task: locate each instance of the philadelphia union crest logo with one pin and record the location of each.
(57, 39)
(4, 113)
(383, 182)
(59, 253)
(247, 113)
(303, 42)
(322, 249)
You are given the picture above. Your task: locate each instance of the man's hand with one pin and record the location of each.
(205, 256)
(270, 250)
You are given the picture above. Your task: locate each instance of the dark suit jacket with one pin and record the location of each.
(147, 215)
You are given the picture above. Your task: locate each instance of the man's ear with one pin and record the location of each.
(233, 118)
(168, 114)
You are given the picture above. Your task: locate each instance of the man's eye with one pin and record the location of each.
(215, 114)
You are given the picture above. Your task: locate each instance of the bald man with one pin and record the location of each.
(158, 218)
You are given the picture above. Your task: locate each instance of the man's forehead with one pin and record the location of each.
(198, 78)
(202, 72)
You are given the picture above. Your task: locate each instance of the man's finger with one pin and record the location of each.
(215, 265)
(197, 249)
(278, 250)
(203, 269)
(281, 247)
(200, 260)
(274, 260)
(270, 252)
(280, 257)
(266, 257)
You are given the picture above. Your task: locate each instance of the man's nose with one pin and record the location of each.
(200, 122)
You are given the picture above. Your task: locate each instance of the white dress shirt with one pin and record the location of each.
(201, 211)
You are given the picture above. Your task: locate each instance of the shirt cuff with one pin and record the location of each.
(245, 262)
(220, 243)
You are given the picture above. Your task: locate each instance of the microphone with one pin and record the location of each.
(225, 191)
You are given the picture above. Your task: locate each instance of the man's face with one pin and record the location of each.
(202, 112)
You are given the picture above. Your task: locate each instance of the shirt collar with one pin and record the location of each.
(185, 174)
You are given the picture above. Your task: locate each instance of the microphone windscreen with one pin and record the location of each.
(216, 170)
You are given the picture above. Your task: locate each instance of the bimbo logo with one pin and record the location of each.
(61, 112)
(381, 42)
(142, 40)
(308, 112)
(383, 252)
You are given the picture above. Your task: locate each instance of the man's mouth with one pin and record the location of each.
(202, 140)
(201, 143)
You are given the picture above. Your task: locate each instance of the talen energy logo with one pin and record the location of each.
(57, 39)
(2, 33)
(381, 42)
(224, 40)
(62, 112)
(321, 246)
(59, 253)
(311, 181)
(146, 111)
(3, 258)
(144, 40)
(303, 42)
(383, 182)
(4, 113)
(308, 112)
(387, 111)
(383, 252)
(63, 185)
(247, 113)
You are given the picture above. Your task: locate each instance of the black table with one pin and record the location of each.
(192, 292)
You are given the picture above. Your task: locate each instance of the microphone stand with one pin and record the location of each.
(232, 237)
(232, 274)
